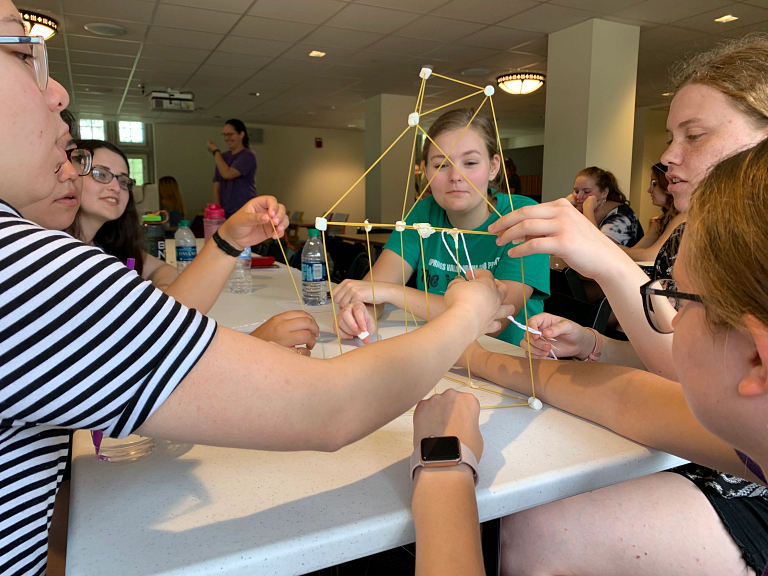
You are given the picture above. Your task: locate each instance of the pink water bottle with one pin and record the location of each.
(214, 217)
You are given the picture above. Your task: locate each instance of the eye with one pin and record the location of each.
(25, 57)
(669, 142)
(694, 137)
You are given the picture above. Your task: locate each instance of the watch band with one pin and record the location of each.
(594, 356)
(214, 152)
(467, 457)
(226, 246)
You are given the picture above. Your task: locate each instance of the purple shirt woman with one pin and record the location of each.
(234, 181)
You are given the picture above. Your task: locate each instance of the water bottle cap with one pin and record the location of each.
(151, 218)
(184, 224)
(214, 212)
(313, 232)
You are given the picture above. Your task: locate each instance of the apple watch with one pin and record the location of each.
(442, 451)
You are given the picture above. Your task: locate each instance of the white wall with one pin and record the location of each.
(290, 167)
(649, 144)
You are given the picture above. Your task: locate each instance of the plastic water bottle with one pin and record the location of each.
(240, 280)
(314, 278)
(186, 246)
(214, 217)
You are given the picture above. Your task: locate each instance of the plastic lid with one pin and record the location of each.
(184, 224)
(151, 218)
(313, 232)
(214, 212)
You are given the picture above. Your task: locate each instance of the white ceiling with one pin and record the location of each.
(226, 51)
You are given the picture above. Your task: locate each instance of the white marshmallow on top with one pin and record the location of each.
(424, 229)
(321, 223)
(400, 225)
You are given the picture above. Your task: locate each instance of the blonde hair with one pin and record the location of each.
(727, 238)
(736, 68)
(458, 119)
(170, 195)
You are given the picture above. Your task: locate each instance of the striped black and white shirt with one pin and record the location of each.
(85, 343)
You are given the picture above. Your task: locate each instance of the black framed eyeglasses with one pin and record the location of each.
(31, 50)
(104, 176)
(661, 301)
(81, 159)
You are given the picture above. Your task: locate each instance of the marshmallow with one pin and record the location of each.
(425, 73)
(455, 235)
(321, 223)
(368, 227)
(363, 334)
(535, 403)
(424, 229)
(400, 225)
(489, 90)
(413, 119)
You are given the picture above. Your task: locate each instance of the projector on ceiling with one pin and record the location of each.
(172, 100)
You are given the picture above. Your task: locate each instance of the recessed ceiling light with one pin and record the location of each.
(666, 94)
(317, 54)
(475, 72)
(104, 29)
(350, 125)
(726, 18)
(254, 94)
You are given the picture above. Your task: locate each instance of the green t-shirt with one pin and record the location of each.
(483, 252)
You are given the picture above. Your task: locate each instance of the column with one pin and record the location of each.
(591, 78)
(386, 116)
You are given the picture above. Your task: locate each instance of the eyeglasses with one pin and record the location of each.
(104, 176)
(32, 52)
(661, 301)
(81, 159)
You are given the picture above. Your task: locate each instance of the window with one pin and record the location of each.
(131, 132)
(92, 129)
(136, 168)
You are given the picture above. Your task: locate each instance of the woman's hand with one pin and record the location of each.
(252, 224)
(360, 291)
(572, 339)
(354, 319)
(483, 298)
(451, 413)
(572, 199)
(557, 228)
(292, 329)
(590, 205)
(211, 146)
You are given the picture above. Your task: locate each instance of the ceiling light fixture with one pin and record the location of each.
(104, 29)
(726, 18)
(38, 25)
(521, 82)
(317, 54)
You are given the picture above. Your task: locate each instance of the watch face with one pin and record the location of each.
(440, 449)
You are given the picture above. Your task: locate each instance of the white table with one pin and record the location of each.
(190, 509)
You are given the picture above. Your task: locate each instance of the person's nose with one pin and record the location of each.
(673, 155)
(56, 96)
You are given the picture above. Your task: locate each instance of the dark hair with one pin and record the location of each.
(668, 211)
(510, 165)
(604, 179)
(122, 238)
(240, 127)
(71, 122)
(457, 119)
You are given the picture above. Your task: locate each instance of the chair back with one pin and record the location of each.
(336, 230)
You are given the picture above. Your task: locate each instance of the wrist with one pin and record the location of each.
(224, 235)
(593, 348)
(449, 475)
(214, 151)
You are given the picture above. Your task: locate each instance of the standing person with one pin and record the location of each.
(597, 195)
(171, 201)
(719, 107)
(85, 343)
(660, 227)
(234, 179)
(454, 203)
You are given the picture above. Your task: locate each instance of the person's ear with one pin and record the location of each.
(495, 166)
(755, 383)
(604, 192)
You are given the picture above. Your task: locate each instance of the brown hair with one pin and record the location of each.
(604, 179)
(170, 195)
(668, 211)
(457, 119)
(727, 241)
(737, 68)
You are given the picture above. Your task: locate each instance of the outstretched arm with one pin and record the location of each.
(557, 228)
(641, 253)
(640, 406)
(251, 394)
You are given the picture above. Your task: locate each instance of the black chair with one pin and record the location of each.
(359, 267)
(569, 300)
